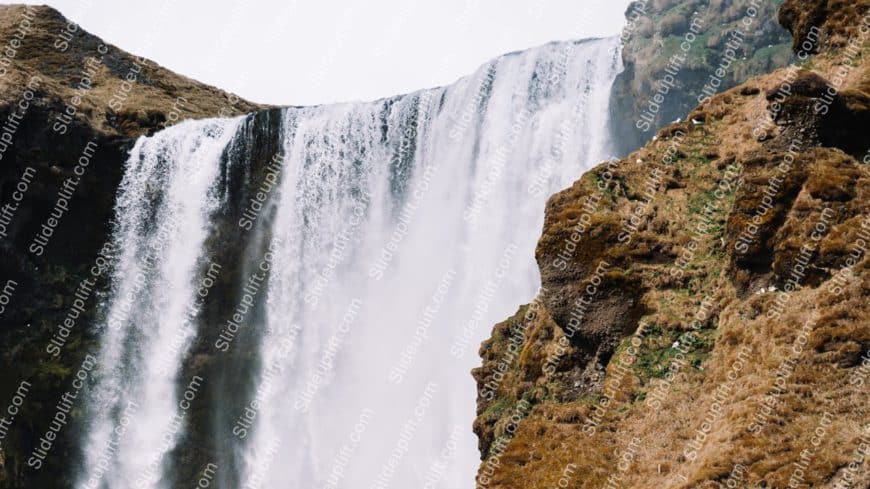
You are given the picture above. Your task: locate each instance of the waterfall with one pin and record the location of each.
(312, 283)
(165, 203)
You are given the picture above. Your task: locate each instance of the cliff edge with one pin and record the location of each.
(71, 107)
(702, 320)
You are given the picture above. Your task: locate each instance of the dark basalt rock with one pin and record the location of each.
(46, 283)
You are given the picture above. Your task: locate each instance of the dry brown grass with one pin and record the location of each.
(742, 348)
(150, 102)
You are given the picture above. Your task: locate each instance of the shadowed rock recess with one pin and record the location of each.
(703, 314)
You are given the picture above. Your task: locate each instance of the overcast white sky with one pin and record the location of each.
(304, 52)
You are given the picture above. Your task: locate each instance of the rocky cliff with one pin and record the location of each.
(702, 320)
(702, 316)
(71, 107)
(672, 50)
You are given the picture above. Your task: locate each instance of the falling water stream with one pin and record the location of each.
(376, 246)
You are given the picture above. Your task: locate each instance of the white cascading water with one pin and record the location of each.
(404, 230)
(164, 207)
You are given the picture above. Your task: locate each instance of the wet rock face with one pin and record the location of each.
(96, 137)
(236, 251)
(48, 275)
(53, 157)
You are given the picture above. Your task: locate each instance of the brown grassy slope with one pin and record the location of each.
(696, 338)
(151, 101)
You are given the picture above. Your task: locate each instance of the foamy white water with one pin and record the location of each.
(163, 213)
(404, 229)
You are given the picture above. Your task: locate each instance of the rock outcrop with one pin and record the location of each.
(671, 51)
(703, 316)
(71, 107)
